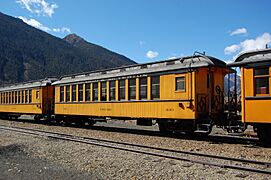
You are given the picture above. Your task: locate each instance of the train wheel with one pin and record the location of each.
(264, 133)
(163, 128)
(80, 123)
(37, 117)
(91, 122)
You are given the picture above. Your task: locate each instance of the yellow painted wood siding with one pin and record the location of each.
(254, 110)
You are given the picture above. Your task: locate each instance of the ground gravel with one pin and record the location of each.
(78, 161)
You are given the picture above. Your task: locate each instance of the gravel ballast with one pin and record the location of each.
(69, 160)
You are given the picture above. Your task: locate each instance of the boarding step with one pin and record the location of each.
(201, 131)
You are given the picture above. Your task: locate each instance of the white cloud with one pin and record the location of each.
(231, 49)
(258, 43)
(152, 54)
(35, 23)
(239, 31)
(174, 56)
(62, 30)
(38, 25)
(39, 7)
(249, 44)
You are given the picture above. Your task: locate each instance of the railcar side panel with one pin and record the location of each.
(256, 106)
(128, 109)
(174, 102)
(33, 107)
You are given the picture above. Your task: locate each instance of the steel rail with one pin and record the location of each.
(268, 164)
(91, 141)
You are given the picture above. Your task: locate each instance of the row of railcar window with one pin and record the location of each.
(16, 97)
(91, 91)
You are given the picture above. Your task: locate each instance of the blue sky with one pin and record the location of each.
(150, 30)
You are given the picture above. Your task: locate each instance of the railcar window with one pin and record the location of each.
(261, 81)
(6, 98)
(38, 94)
(12, 97)
(112, 94)
(121, 89)
(155, 87)
(104, 92)
(19, 97)
(68, 95)
(26, 97)
(95, 91)
(22, 96)
(143, 88)
(16, 97)
(87, 92)
(9, 97)
(132, 89)
(73, 93)
(30, 96)
(180, 84)
(81, 92)
(61, 93)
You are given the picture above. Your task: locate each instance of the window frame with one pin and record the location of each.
(103, 91)
(80, 93)
(122, 88)
(112, 90)
(61, 94)
(181, 79)
(30, 96)
(132, 89)
(258, 77)
(68, 93)
(95, 91)
(87, 92)
(143, 87)
(154, 85)
(26, 96)
(73, 89)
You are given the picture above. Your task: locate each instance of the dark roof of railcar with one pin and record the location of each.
(250, 57)
(30, 84)
(188, 62)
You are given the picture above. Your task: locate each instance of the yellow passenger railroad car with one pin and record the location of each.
(255, 69)
(27, 98)
(180, 94)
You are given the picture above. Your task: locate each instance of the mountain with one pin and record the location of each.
(27, 53)
(96, 51)
(229, 84)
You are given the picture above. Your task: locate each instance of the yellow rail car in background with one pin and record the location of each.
(180, 94)
(255, 69)
(27, 98)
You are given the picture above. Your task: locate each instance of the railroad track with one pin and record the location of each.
(193, 157)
